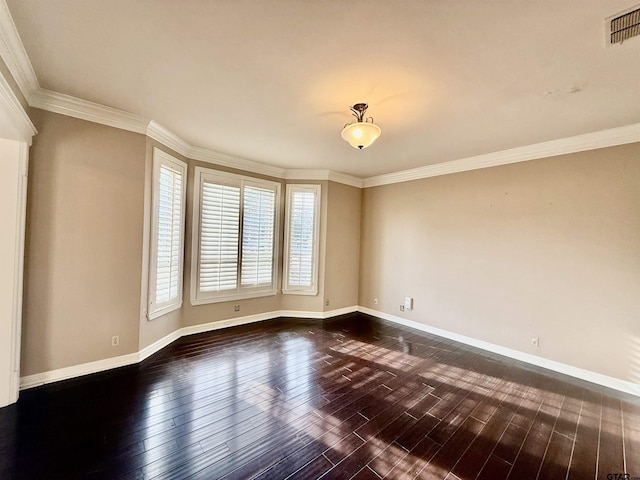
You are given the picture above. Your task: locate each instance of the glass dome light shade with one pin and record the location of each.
(361, 134)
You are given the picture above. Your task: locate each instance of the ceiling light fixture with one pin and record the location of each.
(362, 133)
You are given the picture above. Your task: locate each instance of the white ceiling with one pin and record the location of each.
(272, 80)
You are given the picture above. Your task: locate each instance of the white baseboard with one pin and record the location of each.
(132, 358)
(318, 315)
(158, 345)
(231, 322)
(38, 379)
(340, 311)
(66, 373)
(589, 376)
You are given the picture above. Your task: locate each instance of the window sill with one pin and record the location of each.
(164, 311)
(235, 296)
(311, 293)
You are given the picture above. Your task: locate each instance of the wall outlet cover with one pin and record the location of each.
(408, 303)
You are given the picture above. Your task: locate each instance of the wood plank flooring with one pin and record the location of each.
(353, 398)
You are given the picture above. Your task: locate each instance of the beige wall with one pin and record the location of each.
(342, 265)
(549, 248)
(83, 243)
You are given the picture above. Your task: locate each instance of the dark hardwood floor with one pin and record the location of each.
(354, 398)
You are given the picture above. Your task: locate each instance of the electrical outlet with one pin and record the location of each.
(402, 308)
(408, 303)
(236, 307)
(375, 301)
(115, 340)
(535, 341)
(326, 302)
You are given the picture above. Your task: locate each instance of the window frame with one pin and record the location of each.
(312, 289)
(161, 158)
(201, 298)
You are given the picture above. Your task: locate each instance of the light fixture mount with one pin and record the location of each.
(363, 132)
(358, 111)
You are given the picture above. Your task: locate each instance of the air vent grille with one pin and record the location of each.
(625, 26)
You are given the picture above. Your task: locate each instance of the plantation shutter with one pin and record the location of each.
(258, 236)
(301, 238)
(235, 243)
(169, 245)
(219, 232)
(166, 250)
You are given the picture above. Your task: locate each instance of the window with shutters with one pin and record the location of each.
(167, 234)
(301, 240)
(235, 220)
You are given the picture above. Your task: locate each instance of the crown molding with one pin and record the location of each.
(330, 175)
(346, 179)
(230, 161)
(563, 146)
(94, 112)
(302, 174)
(167, 138)
(20, 121)
(14, 55)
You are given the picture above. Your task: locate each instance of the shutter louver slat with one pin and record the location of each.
(219, 237)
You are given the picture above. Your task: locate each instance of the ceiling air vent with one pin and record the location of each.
(624, 25)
